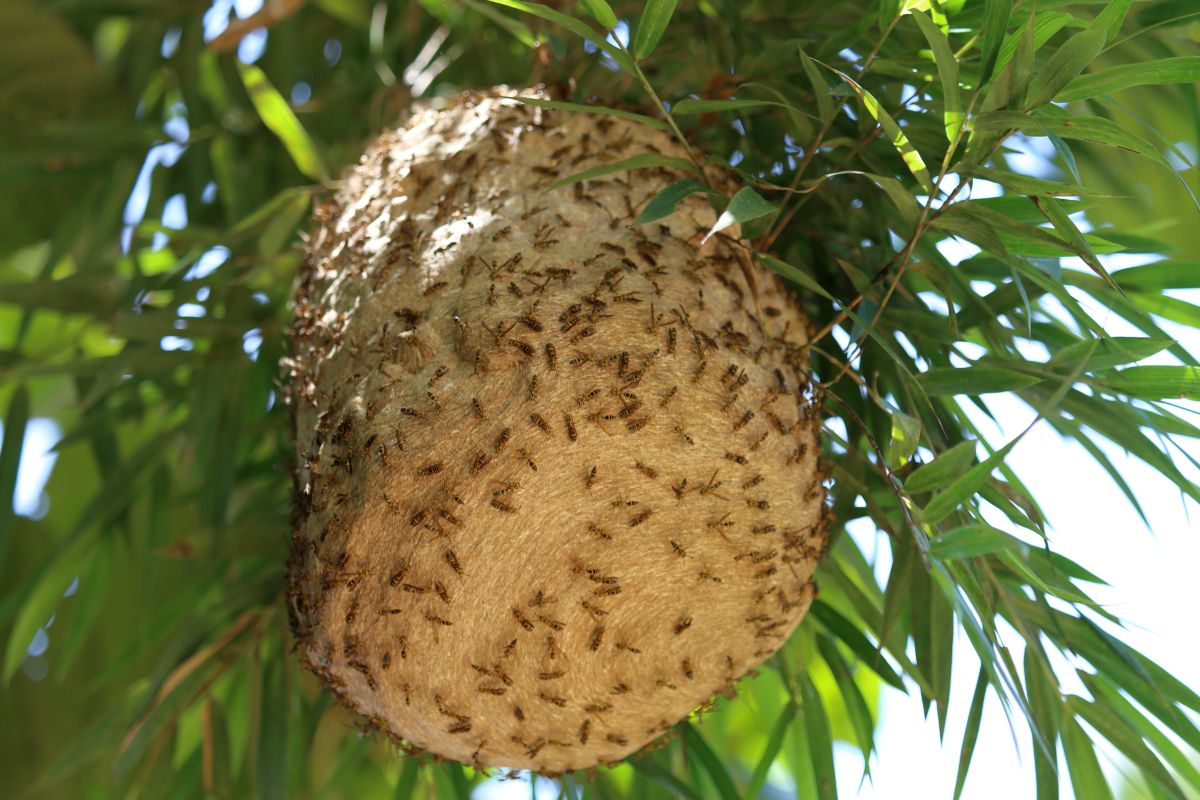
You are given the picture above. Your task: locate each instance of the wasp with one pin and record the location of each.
(431, 469)
(640, 518)
(572, 434)
(452, 560)
(551, 356)
(682, 624)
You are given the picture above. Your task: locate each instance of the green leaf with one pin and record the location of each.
(652, 25)
(1112, 17)
(270, 774)
(1182, 69)
(574, 26)
(912, 159)
(774, 743)
(971, 733)
(947, 69)
(700, 750)
(971, 541)
(746, 205)
(1063, 66)
(995, 22)
(794, 274)
(1062, 223)
(1028, 185)
(640, 161)
(665, 202)
(973, 380)
(816, 723)
(409, 773)
(1109, 352)
(965, 486)
(854, 639)
(906, 435)
(1086, 778)
(819, 87)
(1111, 726)
(852, 698)
(1170, 274)
(641, 119)
(947, 466)
(705, 106)
(1088, 129)
(1154, 382)
(1040, 27)
(15, 421)
(279, 118)
(602, 12)
(1046, 705)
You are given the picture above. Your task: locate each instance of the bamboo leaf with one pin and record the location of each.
(947, 70)
(602, 12)
(1154, 382)
(819, 87)
(641, 119)
(816, 723)
(779, 730)
(974, 380)
(1086, 777)
(15, 420)
(1062, 223)
(947, 466)
(1109, 352)
(1088, 129)
(703, 753)
(574, 26)
(666, 201)
(906, 435)
(965, 486)
(1181, 69)
(854, 639)
(279, 118)
(1110, 725)
(996, 14)
(652, 25)
(1063, 66)
(971, 733)
(640, 161)
(971, 541)
(912, 159)
(744, 206)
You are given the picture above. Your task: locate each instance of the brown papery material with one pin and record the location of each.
(558, 479)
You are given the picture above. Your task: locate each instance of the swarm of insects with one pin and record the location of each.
(560, 483)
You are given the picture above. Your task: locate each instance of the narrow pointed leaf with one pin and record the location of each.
(666, 201)
(947, 70)
(279, 118)
(602, 12)
(641, 119)
(15, 420)
(1181, 69)
(640, 161)
(746, 205)
(973, 380)
(1063, 66)
(942, 470)
(892, 131)
(652, 24)
(971, 733)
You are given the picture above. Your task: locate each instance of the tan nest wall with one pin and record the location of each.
(558, 481)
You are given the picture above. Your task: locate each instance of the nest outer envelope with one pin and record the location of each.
(558, 480)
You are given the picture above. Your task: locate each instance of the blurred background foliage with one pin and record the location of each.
(158, 160)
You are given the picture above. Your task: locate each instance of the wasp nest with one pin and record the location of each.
(558, 482)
